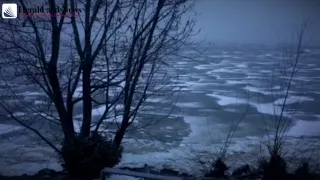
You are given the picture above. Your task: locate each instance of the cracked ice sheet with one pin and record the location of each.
(4, 128)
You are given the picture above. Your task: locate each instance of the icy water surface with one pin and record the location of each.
(216, 89)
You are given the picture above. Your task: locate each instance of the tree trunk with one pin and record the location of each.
(66, 122)
(87, 103)
(119, 136)
(68, 128)
(120, 132)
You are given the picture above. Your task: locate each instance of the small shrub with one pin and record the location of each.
(274, 169)
(86, 157)
(262, 166)
(303, 172)
(242, 170)
(219, 169)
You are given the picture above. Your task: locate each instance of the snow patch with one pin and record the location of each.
(202, 67)
(225, 100)
(17, 114)
(220, 56)
(32, 93)
(5, 128)
(234, 82)
(155, 100)
(220, 70)
(257, 90)
(241, 66)
(121, 177)
(305, 128)
(37, 102)
(188, 104)
(78, 92)
(293, 99)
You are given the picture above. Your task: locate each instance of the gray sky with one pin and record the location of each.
(256, 21)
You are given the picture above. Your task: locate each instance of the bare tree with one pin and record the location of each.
(116, 49)
(288, 66)
(285, 69)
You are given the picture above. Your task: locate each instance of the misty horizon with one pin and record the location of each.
(256, 22)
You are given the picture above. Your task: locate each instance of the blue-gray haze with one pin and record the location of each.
(257, 21)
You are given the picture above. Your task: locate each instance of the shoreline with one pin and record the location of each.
(30, 158)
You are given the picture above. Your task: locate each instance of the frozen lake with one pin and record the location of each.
(216, 89)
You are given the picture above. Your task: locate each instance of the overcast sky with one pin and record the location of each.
(256, 21)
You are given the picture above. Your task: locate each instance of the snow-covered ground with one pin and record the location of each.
(120, 177)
